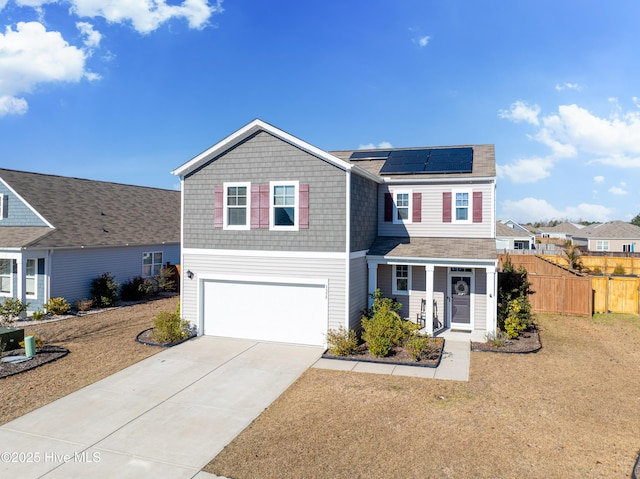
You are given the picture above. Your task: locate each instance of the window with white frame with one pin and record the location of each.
(236, 205)
(151, 264)
(602, 245)
(283, 212)
(31, 277)
(627, 248)
(5, 276)
(402, 207)
(401, 279)
(461, 206)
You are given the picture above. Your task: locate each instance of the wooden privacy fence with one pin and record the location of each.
(560, 291)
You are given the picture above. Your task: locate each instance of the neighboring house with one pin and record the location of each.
(563, 231)
(59, 233)
(284, 241)
(512, 237)
(614, 236)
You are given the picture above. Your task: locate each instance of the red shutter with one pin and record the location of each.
(218, 200)
(477, 206)
(388, 207)
(303, 207)
(446, 207)
(417, 208)
(255, 206)
(264, 206)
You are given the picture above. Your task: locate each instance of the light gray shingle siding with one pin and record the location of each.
(19, 214)
(260, 159)
(364, 213)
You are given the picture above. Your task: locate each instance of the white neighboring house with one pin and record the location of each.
(58, 233)
(511, 236)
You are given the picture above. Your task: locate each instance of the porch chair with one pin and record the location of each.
(421, 318)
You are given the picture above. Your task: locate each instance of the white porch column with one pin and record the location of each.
(492, 298)
(428, 268)
(373, 282)
(21, 280)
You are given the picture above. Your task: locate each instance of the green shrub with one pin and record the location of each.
(169, 328)
(518, 317)
(163, 280)
(619, 270)
(37, 342)
(342, 342)
(420, 346)
(12, 308)
(135, 289)
(39, 315)
(385, 329)
(84, 304)
(104, 290)
(57, 306)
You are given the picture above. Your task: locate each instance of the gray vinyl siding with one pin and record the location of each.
(19, 214)
(364, 212)
(431, 224)
(418, 291)
(260, 159)
(358, 291)
(440, 280)
(480, 300)
(202, 264)
(73, 270)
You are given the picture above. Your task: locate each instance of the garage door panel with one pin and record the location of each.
(286, 312)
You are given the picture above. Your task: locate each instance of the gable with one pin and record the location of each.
(15, 211)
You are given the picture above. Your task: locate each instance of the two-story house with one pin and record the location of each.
(284, 241)
(58, 233)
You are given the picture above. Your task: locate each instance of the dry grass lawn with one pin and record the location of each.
(100, 344)
(570, 411)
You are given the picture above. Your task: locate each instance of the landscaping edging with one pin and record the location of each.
(327, 355)
(161, 345)
(504, 349)
(56, 353)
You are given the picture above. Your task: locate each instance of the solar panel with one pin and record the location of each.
(431, 160)
(369, 155)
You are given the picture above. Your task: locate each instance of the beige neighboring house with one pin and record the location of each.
(511, 236)
(614, 236)
(563, 231)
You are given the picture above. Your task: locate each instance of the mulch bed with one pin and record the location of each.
(146, 337)
(527, 342)
(398, 356)
(43, 355)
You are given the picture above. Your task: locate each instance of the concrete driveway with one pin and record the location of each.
(164, 417)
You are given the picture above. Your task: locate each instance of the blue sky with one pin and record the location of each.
(128, 90)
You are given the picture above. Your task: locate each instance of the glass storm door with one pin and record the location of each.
(460, 294)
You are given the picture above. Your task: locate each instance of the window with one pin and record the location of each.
(151, 264)
(283, 214)
(4, 206)
(462, 206)
(520, 244)
(236, 201)
(401, 279)
(602, 245)
(627, 248)
(402, 201)
(5, 276)
(31, 277)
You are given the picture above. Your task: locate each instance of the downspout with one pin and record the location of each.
(347, 282)
(47, 276)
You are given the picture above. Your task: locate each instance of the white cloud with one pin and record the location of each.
(520, 111)
(423, 41)
(534, 209)
(568, 86)
(372, 146)
(147, 15)
(92, 37)
(598, 179)
(615, 190)
(526, 170)
(31, 55)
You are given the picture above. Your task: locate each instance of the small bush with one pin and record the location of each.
(57, 306)
(596, 270)
(619, 270)
(420, 346)
(37, 340)
(135, 289)
(104, 290)
(518, 317)
(84, 304)
(39, 315)
(342, 342)
(497, 339)
(12, 308)
(169, 327)
(163, 280)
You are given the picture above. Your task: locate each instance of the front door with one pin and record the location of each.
(460, 300)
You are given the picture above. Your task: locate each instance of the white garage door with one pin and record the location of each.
(290, 312)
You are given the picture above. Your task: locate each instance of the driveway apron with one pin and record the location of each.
(166, 416)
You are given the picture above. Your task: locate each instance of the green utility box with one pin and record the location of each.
(11, 337)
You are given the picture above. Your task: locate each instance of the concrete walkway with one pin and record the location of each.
(454, 364)
(164, 417)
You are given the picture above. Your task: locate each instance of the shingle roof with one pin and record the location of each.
(434, 248)
(504, 230)
(93, 213)
(568, 228)
(484, 162)
(610, 230)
